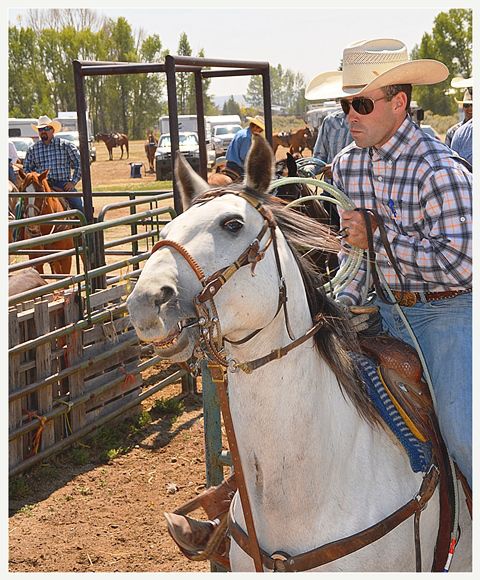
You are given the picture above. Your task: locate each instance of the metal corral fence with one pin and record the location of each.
(75, 362)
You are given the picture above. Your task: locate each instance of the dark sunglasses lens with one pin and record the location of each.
(363, 105)
(45, 129)
(345, 106)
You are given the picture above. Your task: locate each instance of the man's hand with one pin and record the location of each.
(365, 319)
(354, 228)
(327, 171)
(69, 186)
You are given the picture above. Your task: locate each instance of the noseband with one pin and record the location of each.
(207, 318)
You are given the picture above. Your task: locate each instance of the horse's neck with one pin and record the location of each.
(303, 445)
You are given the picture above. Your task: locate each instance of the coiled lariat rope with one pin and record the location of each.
(347, 272)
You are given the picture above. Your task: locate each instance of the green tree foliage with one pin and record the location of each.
(41, 72)
(287, 90)
(231, 107)
(451, 43)
(185, 80)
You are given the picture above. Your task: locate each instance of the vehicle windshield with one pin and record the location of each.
(22, 145)
(190, 139)
(68, 136)
(227, 129)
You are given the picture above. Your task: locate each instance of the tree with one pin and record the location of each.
(184, 80)
(451, 43)
(231, 107)
(286, 89)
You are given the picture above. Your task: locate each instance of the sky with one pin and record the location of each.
(304, 38)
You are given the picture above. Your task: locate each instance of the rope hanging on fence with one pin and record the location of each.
(37, 438)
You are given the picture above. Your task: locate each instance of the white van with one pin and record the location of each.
(22, 128)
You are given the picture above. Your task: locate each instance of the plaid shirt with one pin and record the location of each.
(333, 136)
(424, 196)
(60, 157)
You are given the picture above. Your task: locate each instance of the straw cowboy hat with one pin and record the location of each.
(461, 83)
(257, 120)
(372, 64)
(467, 98)
(45, 121)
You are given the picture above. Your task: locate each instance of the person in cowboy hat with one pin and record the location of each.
(422, 193)
(240, 144)
(466, 102)
(60, 157)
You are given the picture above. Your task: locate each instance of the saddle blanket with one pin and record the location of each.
(419, 453)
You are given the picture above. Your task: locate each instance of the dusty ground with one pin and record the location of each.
(108, 516)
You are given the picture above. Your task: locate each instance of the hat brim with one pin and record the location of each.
(461, 83)
(416, 72)
(256, 122)
(57, 126)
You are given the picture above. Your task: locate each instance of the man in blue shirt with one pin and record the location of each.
(60, 157)
(467, 106)
(462, 141)
(240, 144)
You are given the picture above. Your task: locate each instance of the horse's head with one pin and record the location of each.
(217, 228)
(33, 181)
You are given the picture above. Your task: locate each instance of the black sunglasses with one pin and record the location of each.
(362, 105)
(45, 128)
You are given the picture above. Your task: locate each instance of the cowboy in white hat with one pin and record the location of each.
(240, 144)
(420, 195)
(467, 106)
(59, 156)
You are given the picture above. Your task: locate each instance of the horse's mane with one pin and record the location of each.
(336, 338)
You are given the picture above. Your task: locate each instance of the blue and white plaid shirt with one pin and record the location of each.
(424, 196)
(333, 136)
(61, 157)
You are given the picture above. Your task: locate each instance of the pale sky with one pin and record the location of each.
(305, 39)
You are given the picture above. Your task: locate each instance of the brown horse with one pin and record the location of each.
(300, 139)
(282, 138)
(150, 148)
(112, 140)
(35, 206)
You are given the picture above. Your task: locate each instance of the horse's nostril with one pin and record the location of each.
(164, 295)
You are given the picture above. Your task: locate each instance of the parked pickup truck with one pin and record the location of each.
(188, 141)
(222, 136)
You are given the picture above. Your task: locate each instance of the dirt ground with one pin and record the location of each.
(108, 516)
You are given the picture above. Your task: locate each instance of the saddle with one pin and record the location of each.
(400, 370)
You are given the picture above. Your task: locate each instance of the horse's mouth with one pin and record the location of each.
(170, 340)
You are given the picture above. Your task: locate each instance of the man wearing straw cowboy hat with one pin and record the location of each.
(59, 156)
(240, 144)
(422, 193)
(467, 105)
(462, 138)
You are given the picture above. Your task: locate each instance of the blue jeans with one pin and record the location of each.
(73, 202)
(443, 329)
(11, 172)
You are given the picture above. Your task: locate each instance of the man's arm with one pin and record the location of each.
(74, 156)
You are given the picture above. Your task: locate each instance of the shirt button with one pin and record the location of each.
(462, 219)
(380, 178)
(390, 162)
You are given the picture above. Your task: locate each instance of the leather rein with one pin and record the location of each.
(212, 348)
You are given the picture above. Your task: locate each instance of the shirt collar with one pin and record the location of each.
(396, 145)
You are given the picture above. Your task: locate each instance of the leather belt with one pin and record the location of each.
(411, 298)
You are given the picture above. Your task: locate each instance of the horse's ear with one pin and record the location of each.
(190, 183)
(291, 165)
(259, 168)
(43, 175)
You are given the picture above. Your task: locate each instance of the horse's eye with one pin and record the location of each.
(232, 225)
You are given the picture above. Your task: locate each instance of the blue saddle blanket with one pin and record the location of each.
(419, 453)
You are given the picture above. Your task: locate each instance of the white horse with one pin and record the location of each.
(319, 465)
